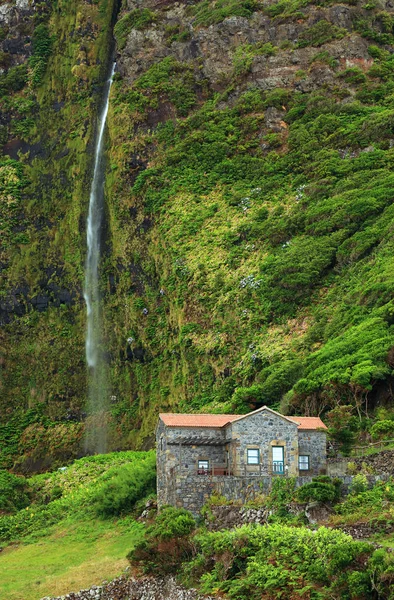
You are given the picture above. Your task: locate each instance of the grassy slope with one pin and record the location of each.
(73, 557)
(59, 543)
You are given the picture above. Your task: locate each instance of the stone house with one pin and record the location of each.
(230, 454)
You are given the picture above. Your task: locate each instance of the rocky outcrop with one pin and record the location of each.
(381, 463)
(362, 531)
(227, 517)
(214, 46)
(146, 588)
(16, 20)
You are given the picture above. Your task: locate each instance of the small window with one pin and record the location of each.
(203, 467)
(303, 462)
(253, 456)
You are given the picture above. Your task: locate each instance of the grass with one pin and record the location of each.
(64, 540)
(75, 556)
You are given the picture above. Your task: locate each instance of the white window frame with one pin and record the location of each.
(203, 465)
(301, 465)
(252, 462)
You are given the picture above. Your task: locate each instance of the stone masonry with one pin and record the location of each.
(234, 455)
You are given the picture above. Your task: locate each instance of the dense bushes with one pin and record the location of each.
(254, 562)
(106, 486)
(321, 489)
(13, 80)
(281, 562)
(124, 486)
(42, 48)
(13, 492)
(167, 542)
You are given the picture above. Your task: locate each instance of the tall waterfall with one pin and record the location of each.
(98, 380)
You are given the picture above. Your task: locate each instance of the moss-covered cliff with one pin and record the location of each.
(249, 236)
(56, 56)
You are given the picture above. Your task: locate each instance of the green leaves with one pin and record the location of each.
(42, 48)
(136, 19)
(280, 562)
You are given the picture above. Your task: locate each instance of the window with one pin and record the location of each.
(203, 467)
(303, 462)
(253, 456)
(278, 465)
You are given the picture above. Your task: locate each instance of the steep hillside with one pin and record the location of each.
(251, 212)
(249, 225)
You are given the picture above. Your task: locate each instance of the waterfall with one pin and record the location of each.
(98, 380)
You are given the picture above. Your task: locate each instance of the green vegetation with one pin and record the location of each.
(205, 14)
(320, 33)
(266, 561)
(13, 490)
(248, 247)
(74, 556)
(105, 486)
(166, 542)
(42, 47)
(61, 533)
(278, 560)
(321, 489)
(136, 19)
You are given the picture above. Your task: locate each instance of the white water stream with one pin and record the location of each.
(95, 353)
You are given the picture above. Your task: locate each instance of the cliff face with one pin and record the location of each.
(249, 193)
(54, 57)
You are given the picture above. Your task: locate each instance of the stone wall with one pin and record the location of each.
(381, 463)
(313, 444)
(192, 491)
(144, 588)
(178, 451)
(264, 430)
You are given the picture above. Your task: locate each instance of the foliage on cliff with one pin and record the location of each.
(248, 245)
(257, 175)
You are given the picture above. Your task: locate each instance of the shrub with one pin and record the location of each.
(166, 542)
(359, 484)
(321, 489)
(127, 485)
(42, 48)
(13, 80)
(382, 429)
(282, 491)
(136, 19)
(13, 492)
(276, 561)
(207, 14)
(342, 427)
(320, 33)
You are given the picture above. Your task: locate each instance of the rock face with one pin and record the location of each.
(381, 463)
(227, 517)
(146, 588)
(215, 45)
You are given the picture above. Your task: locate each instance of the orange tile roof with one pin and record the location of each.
(308, 422)
(184, 420)
(212, 420)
